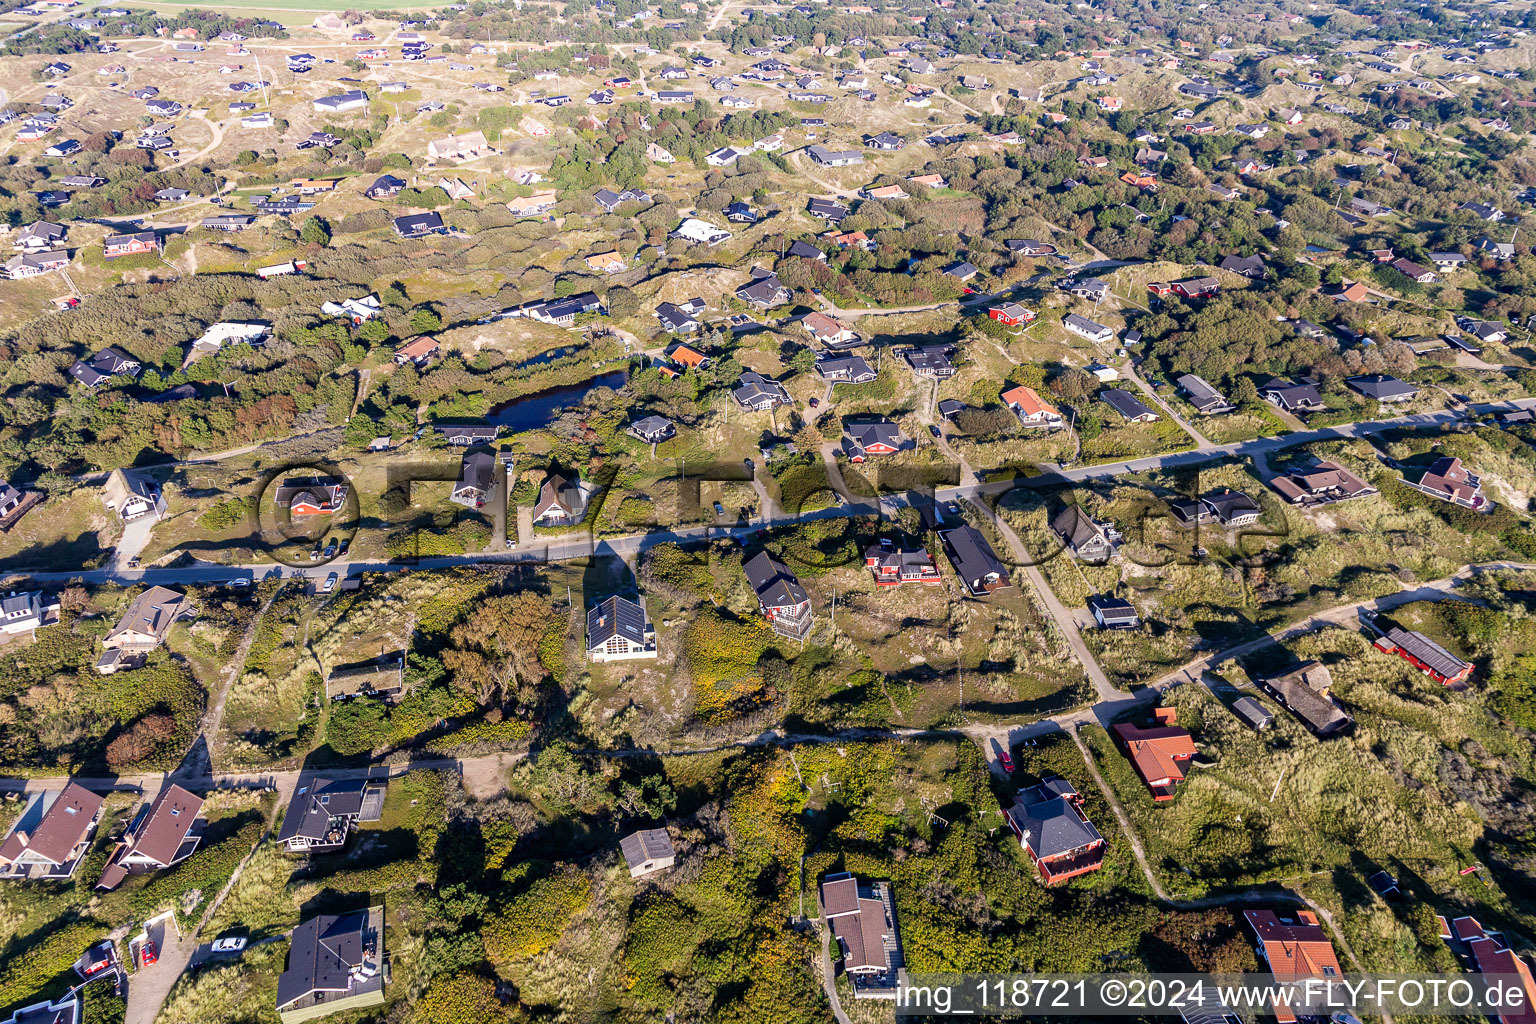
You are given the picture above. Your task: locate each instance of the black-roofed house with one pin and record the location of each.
(1202, 396)
(806, 251)
(418, 225)
(619, 630)
(477, 479)
(462, 435)
(759, 393)
(931, 361)
(678, 319)
(974, 561)
(880, 437)
(1051, 826)
(845, 369)
(780, 596)
(335, 963)
(1292, 396)
(1304, 691)
(653, 429)
(1113, 612)
(322, 812)
(103, 366)
(1249, 266)
(1383, 388)
(1083, 537)
(385, 186)
(647, 851)
(764, 292)
(1127, 405)
(1228, 507)
(1425, 655)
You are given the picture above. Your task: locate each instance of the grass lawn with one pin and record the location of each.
(1395, 794)
(75, 531)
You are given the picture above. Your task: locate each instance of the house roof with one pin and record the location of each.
(615, 616)
(1029, 400)
(821, 324)
(1125, 403)
(1294, 949)
(775, 585)
(153, 612)
(972, 556)
(61, 828)
(159, 836)
(1304, 690)
(1380, 386)
(1427, 651)
(1448, 475)
(323, 953)
(1075, 526)
(881, 432)
(314, 805)
(558, 493)
(1157, 753)
(651, 424)
(417, 349)
(1050, 822)
(646, 845)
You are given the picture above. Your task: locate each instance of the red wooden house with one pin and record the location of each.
(1011, 314)
(1051, 826)
(893, 566)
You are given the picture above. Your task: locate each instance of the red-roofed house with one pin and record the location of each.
(1159, 754)
(1493, 957)
(1032, 410)
(1293, 950)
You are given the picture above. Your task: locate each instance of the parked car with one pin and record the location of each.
(1003, 757)
(148, 955)
(330, 584)
(229, 944)
(719, 509)
(935, 431)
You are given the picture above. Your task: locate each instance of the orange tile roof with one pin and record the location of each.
(685, 356)
(1294, 950)
(1029, 400)
(1157, 753)
(1491, 958)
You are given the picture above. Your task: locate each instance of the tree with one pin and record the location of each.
(497, 647)
(1245, 392)
(463, 997)
(425, 320)
(315, 231)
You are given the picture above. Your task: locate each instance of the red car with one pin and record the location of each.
(1006, 761)
(148, 955)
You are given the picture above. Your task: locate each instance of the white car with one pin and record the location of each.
(232, 944)
(330, 584)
